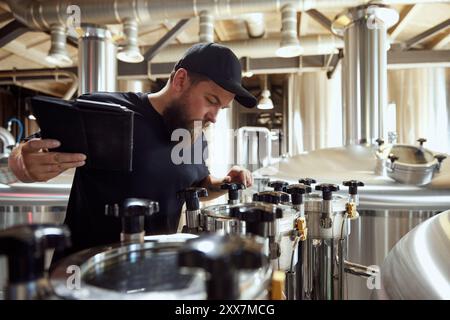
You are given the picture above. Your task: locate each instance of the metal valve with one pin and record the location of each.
(380, 142)
(278, 185)
(440, 158)
(192, 197)
(421, 141)
(302, 230)
(307, 181)
(353, 199)
(297, 191)
(233, 191)
(273, 197)
(392, 157)
(327, 209)
(25, 247)
(222, 256)
(132, 213)
(257, 217)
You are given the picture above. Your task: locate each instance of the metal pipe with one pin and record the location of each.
(97, 65)
(42, 14)
(259, 48)
(359, 269)
(365, 63)
(43, 72)
(206, 33)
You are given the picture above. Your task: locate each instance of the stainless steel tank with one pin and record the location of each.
(387, 209)
(418, 267)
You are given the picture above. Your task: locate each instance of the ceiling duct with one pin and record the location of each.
(289, 45)
(364, 72)
(206, 33)
(58, 54)
(255, 25)
(42, 14)
(130, 53)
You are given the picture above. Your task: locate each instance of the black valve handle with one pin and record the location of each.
(257, 217)
(380, 142)
(353, 186)
(191, 195)
(278, 185)
(233, 189)
(392, 157)
(222, 256)
(421, 141)
(327, 190)
(132, 213)
(297, 191)
(273, 197)
(25, 247)
(440, 157)
(307, 181)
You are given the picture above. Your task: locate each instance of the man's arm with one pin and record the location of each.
(31, 161)
(236, 175)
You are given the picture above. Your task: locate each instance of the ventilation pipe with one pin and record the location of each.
(130, 53)
(42, 14)
(58, 54)
(206, 33)
(364, 77)
(259, 48)
(255, 25)
(97, 64)
(289, 45)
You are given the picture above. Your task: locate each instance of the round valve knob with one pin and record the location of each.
(353, 186)
(380, 142)
(233, 190)
(421, 141)
(191, 195)
(297, 191)
(132, 212)
(273, 197)
(440, 157)
(222, 256)
(278, 185)
(327, 190)
(256, 217)
(392, 157)
(307, 181)
(25, 247)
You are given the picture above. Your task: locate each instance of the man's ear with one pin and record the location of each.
(180, 80)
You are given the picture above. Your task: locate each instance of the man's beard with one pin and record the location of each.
(175, 117)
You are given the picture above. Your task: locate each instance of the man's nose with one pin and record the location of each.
(211, 116)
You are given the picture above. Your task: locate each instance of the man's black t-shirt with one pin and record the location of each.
(154, 177)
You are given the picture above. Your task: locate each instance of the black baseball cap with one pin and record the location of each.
(219, 64)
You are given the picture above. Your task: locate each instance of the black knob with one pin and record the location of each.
(233, 190)
(307, 181)
(440, 157)
(257, 217)
(353, 186)
(25, 247)
(278, 185)
(392, 157)
(132, 213)
(421, 141)
(297, 191)
(380, 142)
(273, 197)
(191, 196)
(222, 256)
(327, 190)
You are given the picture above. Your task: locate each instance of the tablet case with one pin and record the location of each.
(102, 131)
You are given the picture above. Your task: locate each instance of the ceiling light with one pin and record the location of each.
(265, 103)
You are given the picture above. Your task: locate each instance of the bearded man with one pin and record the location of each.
(204, 81)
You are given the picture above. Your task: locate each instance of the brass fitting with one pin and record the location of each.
(350, 209)
(301, 228)
(277, 285)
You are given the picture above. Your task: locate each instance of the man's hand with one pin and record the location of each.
(32, 162)
(239, 175)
